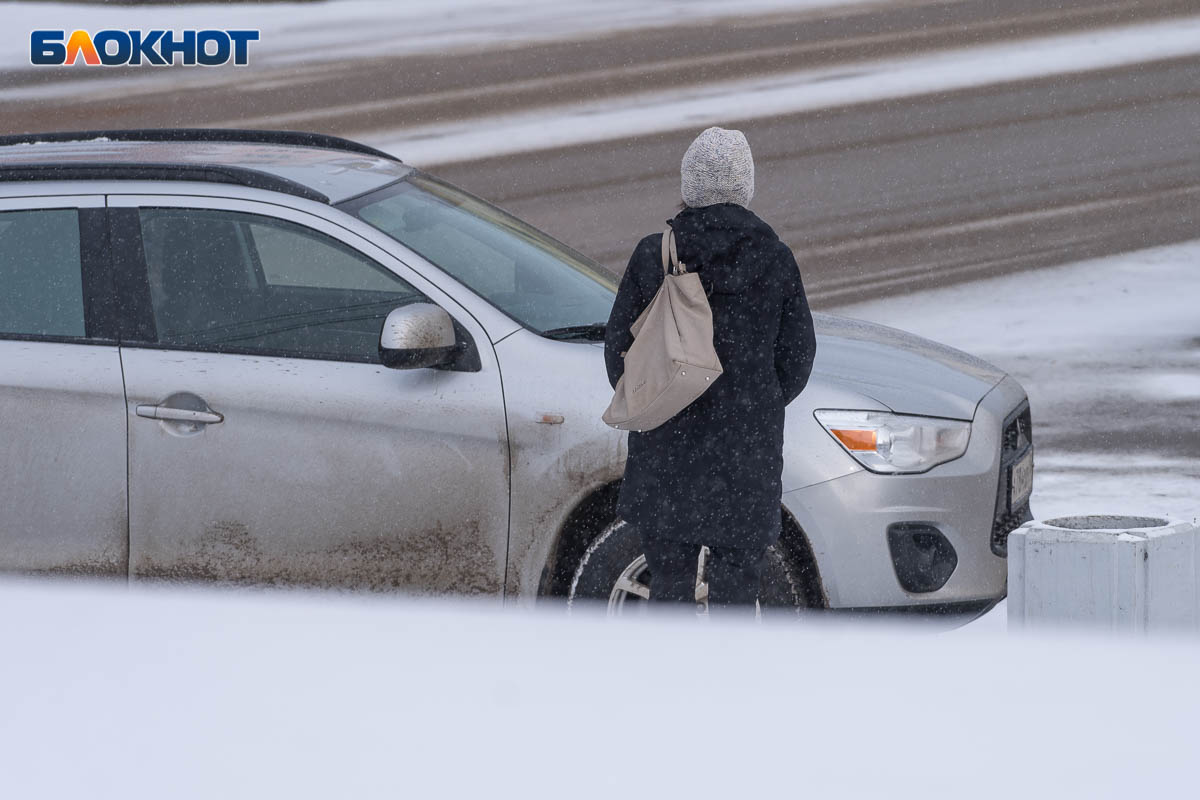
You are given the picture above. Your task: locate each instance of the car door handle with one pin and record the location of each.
(180, 415)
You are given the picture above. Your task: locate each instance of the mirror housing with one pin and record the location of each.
(417, 335)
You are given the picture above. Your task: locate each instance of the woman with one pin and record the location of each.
(711, 475)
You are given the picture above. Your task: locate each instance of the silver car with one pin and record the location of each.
(282, 358)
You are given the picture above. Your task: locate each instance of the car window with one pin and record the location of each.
(41, 278)
(241, 282)
(541, 283)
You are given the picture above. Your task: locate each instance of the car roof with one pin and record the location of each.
(323, 168)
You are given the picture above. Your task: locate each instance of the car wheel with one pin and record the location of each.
(613, 573)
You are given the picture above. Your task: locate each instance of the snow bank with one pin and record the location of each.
(139, 694)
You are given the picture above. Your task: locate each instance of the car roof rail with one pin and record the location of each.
(205, 173)
(234, 135)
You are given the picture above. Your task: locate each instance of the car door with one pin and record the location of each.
(300, 458)
(62, 403)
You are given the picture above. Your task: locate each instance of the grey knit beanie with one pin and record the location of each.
(717, 168)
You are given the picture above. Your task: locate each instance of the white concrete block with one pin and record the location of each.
(1132, 574)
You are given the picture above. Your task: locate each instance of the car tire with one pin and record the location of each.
(612, 575)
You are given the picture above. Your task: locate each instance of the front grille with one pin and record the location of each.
(1017, 441)
(1018, 434)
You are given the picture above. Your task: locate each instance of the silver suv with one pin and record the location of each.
(288, 358)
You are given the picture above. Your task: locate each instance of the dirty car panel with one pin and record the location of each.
(62, 422)
(273, 448)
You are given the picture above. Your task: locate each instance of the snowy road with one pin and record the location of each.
(764, 97)
(897, 194)
(884, 176)
(934, 172)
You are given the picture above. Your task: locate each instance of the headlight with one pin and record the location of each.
(894, 443)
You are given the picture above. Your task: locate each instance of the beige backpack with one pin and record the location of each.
(672, 360)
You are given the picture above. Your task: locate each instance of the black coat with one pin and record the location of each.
(712, 474)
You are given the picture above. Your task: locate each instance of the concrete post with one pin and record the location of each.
(1134, 574)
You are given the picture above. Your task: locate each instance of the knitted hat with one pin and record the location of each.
(717, 168)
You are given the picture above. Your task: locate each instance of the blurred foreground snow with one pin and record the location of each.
(150, 694)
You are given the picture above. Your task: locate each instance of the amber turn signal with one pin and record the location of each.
(856, 439)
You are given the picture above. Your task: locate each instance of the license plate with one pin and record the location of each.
(1020, 481)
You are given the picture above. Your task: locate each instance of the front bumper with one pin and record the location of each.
(847, 519)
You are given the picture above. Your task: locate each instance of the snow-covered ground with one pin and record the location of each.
(139, 694)
(717, 102)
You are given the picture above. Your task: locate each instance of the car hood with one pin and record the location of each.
(906, 373)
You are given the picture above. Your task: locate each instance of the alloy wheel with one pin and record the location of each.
(633, 582)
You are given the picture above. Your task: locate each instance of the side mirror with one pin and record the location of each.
(417, 335)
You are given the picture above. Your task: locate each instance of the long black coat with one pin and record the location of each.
(712, 474)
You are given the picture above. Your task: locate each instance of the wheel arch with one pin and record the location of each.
(585, 522)
(799, 551)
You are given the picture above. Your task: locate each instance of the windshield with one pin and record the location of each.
(539, 282)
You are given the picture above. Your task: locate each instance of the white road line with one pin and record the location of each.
(829, 87)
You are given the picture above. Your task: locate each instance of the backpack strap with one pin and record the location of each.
(670, 257)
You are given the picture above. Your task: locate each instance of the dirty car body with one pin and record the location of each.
(195, 387)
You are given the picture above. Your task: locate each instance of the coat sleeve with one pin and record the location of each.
(796, 344)
(631, 301)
